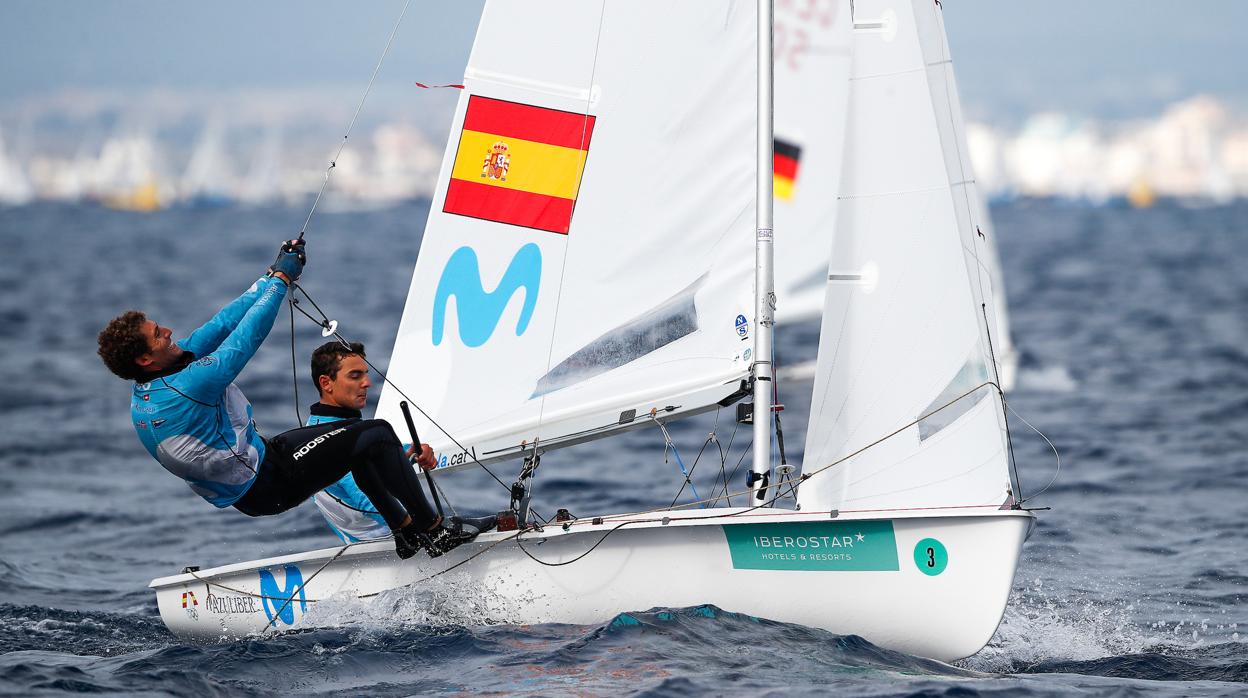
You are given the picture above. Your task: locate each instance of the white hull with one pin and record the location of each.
(854, 574)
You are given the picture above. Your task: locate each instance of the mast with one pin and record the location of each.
(764, 293)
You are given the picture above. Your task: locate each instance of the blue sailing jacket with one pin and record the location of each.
(195, 421)
(346, 509)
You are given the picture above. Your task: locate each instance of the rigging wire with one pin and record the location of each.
(294, 371)
(710, 438)
(325, 183)
(563, 266)
(334, 162)
(728, 479)
(724, 453)
(688, 474)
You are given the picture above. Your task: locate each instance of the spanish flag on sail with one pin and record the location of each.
(519, 164)
(784, 165)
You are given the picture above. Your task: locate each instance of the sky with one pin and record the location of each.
(1109, 59)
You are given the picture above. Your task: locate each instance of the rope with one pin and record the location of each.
(294, 364)
(1058, 456)
(710, 438)
(669, 444)
(578, 558)
(334, 163)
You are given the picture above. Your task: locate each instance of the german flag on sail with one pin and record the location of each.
(519, 164)
(784, 165)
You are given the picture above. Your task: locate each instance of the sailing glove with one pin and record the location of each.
(290, 260)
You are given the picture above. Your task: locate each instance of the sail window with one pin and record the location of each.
(972, 373)
(669, 321)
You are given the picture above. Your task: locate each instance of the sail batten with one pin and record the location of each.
(589, 249)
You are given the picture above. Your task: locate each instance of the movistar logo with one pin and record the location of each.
(278, 602)
(478, 311)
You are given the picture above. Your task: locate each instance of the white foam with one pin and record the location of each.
(1039, 627)
(444, 602)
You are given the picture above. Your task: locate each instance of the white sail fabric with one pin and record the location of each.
(811, 86)
(987, 256)
(628, 289)
(903, 333)
(1002, 338)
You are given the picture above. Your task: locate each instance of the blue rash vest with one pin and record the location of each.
(346, 509)
(194, 421)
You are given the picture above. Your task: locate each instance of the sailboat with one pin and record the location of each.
(125, 176)
(15, 187)
(208, 179)
(262, 183)
(598, 259)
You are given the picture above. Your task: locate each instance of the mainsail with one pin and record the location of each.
(904, 346)
(587, 263)
(812, 83)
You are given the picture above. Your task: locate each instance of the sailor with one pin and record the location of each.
(193, 419)
(340, 374)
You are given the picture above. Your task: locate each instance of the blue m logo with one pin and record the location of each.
(478, 311)
(278, 602)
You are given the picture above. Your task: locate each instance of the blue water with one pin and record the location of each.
(1133, 326)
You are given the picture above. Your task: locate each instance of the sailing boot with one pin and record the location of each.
(408, 541)
(444, 539)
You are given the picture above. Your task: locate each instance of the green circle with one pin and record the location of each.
(931, 557)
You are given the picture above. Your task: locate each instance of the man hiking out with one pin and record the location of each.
(193, 419)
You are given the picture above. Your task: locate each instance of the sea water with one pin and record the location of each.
(1133, 327)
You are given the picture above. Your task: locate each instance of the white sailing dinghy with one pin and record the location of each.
(608, 179)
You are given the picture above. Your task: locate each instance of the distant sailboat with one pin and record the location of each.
(15, 188)
(126, 175)
(263, 182)
(609, 181)
(209, 180)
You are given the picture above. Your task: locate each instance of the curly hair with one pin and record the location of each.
(121, 342)
(327, 359)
